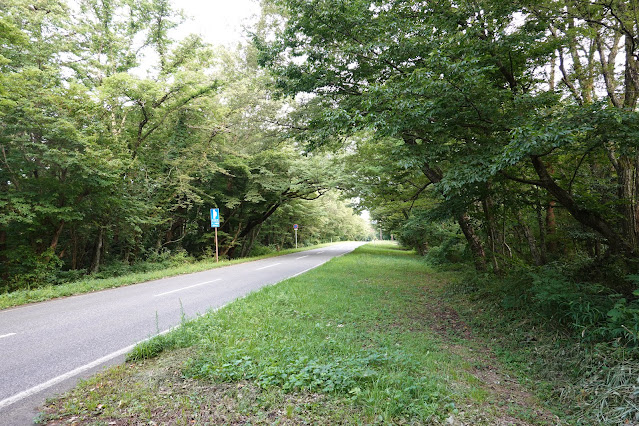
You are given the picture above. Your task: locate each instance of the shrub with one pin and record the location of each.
(595, 312)
(31, 270)
(622, 323)
(260, 250)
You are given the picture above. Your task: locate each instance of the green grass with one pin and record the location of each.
(585, 382)
(360, 340)
(88, 285)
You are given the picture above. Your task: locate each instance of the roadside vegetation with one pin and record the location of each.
(130, 274)
(501, 134)
(497, 139)
(107, 168)
(366, 338)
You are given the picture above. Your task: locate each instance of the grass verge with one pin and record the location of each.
(364, 339)
(589, 382)
(88, 285)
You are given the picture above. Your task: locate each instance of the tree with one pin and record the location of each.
(471, 89)
(101, 166)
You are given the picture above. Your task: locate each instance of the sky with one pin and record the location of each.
(218, 21)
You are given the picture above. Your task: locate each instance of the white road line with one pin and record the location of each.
(320, 252)
(304, 271)
(269, 266)
(313, 267)
(7, 335)
(61, 378)
(301, 257)
(186, 288)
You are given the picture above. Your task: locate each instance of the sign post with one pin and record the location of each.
(215, 223)
(295, 228)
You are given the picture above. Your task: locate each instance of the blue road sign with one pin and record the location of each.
(215, 218)
(295, 226)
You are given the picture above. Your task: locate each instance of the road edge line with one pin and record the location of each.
(61, 378)
(69, 374)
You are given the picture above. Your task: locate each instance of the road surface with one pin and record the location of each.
(45, 348)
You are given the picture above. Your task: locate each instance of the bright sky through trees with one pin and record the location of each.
(218, 21)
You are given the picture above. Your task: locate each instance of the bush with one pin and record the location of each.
(623, 323)
(260, 250)
(113, 269)
(439, 240)
(451, 250)
(31, 270)
(594, 313)
(70, 275)
(581, 305)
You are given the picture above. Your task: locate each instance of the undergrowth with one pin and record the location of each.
(576, 340)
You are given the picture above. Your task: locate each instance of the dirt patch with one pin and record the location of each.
(508, 393)
(130, 390)
(509, 402)
(446, 322)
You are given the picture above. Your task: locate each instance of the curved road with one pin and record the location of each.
(45, 348)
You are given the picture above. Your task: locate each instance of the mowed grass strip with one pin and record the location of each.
(347, 343)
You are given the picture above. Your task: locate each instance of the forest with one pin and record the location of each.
(116, 140)
(497, 136)
(501, 132)
(504, 134)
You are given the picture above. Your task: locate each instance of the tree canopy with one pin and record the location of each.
(516, 113)
(103, 165)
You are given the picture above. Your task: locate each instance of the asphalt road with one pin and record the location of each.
(45, 348)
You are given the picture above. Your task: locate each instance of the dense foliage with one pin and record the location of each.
(501, 131)
(115, 140)
(516, 120)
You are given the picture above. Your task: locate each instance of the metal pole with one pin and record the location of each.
(296, 238)
(216, 258)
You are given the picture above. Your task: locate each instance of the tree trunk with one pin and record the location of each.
(474, 242)
(476, 248)
(628, 197)
(74, 250)
(589, 218)
(98, 252)
(492, 233)
(542, 235)
(229, 250)
(631, 75)
(255, 222)
(56, 236)
(176, 227)
(252, 237)
(530, 238)
(551, 227)
(4, 274)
